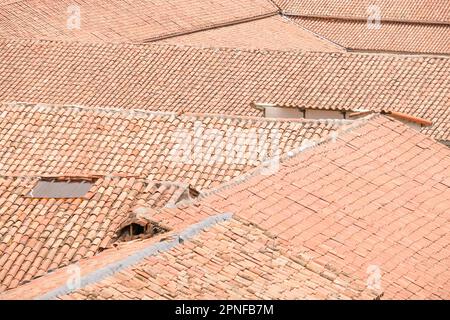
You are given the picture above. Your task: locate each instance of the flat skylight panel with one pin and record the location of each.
(60, 189)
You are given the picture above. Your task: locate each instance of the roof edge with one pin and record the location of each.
(212, 27)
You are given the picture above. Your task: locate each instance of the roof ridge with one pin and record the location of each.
(306, 145)
(6, 41)
(317, 35)
(178, 115)
(215, 26)
(169, 242)
(105, 109)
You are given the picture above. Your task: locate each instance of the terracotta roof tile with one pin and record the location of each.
(44, 140)
(391, 37)
(424, 11)
(362, 201)
(369, 197)
(115, 20)
(406, 26)
(223, 81)
(38, 235)
(276, 33)
(128, 153)
(232, 260)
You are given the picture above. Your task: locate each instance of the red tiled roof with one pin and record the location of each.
(39, 235)
(223, 81)
(409, 26)
(276, 33)
(391, 37)
(115, 20)
(423, 11)
(375, 195)
(232, 260)
(128, 151)
(41, 140)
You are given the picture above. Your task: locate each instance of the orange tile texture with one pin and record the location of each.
(227, 81)
(424, 11)
(375, 194)
(409, 26)
(391, 37)
(276, 33)
(122, 21)
(129, 151)
(41, 140)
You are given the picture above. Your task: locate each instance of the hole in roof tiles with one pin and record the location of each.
(139, 228)
(61, 189)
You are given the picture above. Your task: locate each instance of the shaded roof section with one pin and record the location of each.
(226, 81)
(200, 150)
(417, 11)
(276, 33)
(374, 197)
(115, 20)
(390, 37)
(42, 234)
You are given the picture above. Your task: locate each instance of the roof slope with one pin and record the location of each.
(41, 140)
(232, 260)
(424, 11)
(115, 20)
(376, 196)
(130, 155)
(223, 81)
(408, 26)
(276, 33)
(391, 37)
(39, 235)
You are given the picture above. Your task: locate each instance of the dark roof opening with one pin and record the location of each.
(139, 229)
(60, 189)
